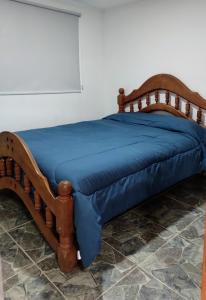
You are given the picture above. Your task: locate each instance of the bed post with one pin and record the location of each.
(67, 252)
(120, 100)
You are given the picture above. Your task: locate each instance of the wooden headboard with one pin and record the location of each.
(165, 92)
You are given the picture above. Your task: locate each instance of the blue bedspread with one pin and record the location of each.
(115, 163)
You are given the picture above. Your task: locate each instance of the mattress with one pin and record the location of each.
(115, 163)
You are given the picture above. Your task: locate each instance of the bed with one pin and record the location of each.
(76, 177)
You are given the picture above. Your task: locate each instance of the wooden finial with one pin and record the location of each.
(64, 188)
(121, 91)
(121, 99)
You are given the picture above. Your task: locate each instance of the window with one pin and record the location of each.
(39, 49)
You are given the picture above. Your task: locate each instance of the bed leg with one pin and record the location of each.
(67, 252)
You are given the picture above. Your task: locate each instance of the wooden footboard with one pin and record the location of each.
(52, 214)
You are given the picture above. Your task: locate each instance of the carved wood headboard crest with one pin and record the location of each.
(165, 92)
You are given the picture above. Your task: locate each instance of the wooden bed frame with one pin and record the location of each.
(53, 214)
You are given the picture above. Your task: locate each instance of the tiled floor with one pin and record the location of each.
(154, 251)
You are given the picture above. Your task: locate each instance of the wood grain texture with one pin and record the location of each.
(171, 85)
(67, 253)
(168, 83)
(34, 189)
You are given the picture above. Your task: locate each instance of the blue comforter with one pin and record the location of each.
(115, 163)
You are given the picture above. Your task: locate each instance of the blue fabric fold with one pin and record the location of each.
(171, 123)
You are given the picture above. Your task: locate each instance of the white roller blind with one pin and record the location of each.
(39, 49)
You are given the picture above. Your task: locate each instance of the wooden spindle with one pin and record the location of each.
(131, 107)
(148, 100)
(157, 96)
(199, 116)
(177, 102)
(2, 168)
(9, 166)
(167, 97)
(139, 104)
(37, 201)
(187, 109)
(49, 218)
(121, 99)
(27, 185)
(17, 172)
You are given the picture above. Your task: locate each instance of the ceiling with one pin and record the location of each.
(103, 4)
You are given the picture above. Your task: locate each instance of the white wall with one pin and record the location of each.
(151, 37)
(24, 112)
(120, 47)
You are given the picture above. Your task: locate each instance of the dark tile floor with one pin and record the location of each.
(153, 251)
